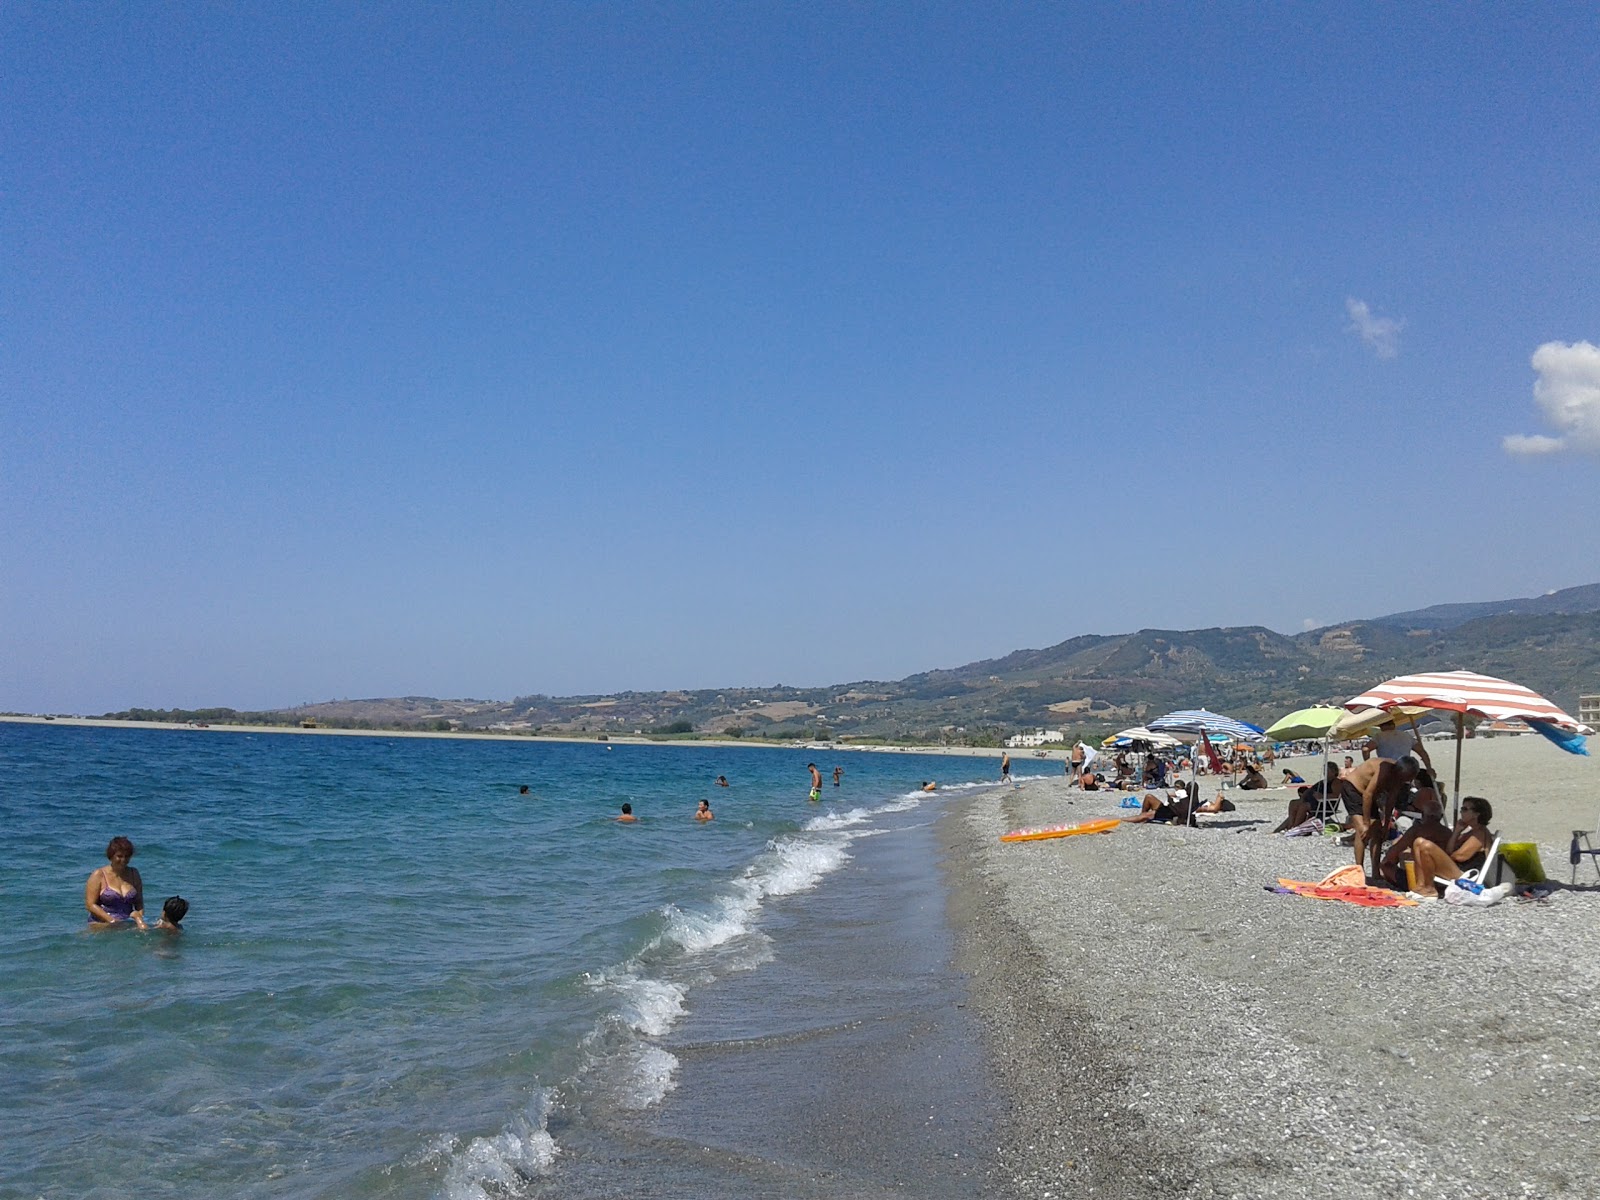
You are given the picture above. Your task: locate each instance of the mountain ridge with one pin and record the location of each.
(1086, 683)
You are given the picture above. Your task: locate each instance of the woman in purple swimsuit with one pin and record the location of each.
(115, 893)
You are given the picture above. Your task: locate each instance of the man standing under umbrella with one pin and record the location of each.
(1384, 785)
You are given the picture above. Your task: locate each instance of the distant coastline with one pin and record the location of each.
(474, 736)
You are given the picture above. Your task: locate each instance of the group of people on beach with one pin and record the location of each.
(1387, 807)
(114, 894)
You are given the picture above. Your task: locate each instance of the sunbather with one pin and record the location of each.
(1318, 800)
(1466, 850)
(1179, 807)
(1429, 825)
(1253, 780)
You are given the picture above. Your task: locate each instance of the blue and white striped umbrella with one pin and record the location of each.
(1197, 721)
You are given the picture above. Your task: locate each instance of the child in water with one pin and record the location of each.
(173, 910)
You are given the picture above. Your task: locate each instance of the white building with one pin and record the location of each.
(1039, 737)
(1589, 710)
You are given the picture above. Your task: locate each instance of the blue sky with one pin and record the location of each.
(568, 348)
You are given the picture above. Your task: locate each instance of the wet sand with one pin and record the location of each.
(1164, 1026)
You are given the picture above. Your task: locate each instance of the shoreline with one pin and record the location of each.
(1164, 1026)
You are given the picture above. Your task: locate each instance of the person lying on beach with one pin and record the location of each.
(1383, 785)
(627, 814)
(1178, 808)
(1429, 825)
(703, 813)
(1465, 850)
(173, 910)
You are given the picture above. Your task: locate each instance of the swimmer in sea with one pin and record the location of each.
(627, 814)
(838, 774)
(173, 910)
(929, 785)
(703, 813)
(816, 781)
(722, 781)
(523, 790)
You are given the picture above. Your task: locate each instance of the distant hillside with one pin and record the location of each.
(1584, 599)
(1087, 684)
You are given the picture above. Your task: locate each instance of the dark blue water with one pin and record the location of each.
(399, 977)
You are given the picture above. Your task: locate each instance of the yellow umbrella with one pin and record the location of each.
(1364, 721)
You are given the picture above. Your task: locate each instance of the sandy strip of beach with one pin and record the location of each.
(1166, 1027)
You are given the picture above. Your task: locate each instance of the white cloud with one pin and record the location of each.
(1310, 623)
(1568, 393)
(1381, 333)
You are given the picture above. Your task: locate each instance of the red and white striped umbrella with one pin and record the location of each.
(1466, 692)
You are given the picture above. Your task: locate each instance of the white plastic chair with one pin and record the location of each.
(1484, 875)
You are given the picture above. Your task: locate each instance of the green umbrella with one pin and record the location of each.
(1307, 723)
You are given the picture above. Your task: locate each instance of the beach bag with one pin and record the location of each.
(1467, 894)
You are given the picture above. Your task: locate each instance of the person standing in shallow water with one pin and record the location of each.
(115, 893)
(816, 781)
(838, 774)
(1005, 766)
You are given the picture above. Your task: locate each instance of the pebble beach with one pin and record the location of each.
(1164, 1025)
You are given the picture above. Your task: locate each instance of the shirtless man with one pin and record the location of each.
(1077, 762)
(1430, 826)
(1383, 785)
(816, 781)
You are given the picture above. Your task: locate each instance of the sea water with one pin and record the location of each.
(402, 977)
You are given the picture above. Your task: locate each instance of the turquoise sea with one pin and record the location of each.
(399, 977)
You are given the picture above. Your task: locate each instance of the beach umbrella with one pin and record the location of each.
(1139, 733)
(1364, 720)
(1316, 723)
(1306, 723)
(1201, 722)
(1466, 693)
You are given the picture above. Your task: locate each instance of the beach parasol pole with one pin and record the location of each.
(1455, 800)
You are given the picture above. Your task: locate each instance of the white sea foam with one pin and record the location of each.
(495, 1166)
(651, 1006)
(652, 1075)
(729, 918)
(795, 864)
(839, 820)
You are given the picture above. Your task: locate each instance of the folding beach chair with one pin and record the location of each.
(1484, 875)
(1588, 848)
